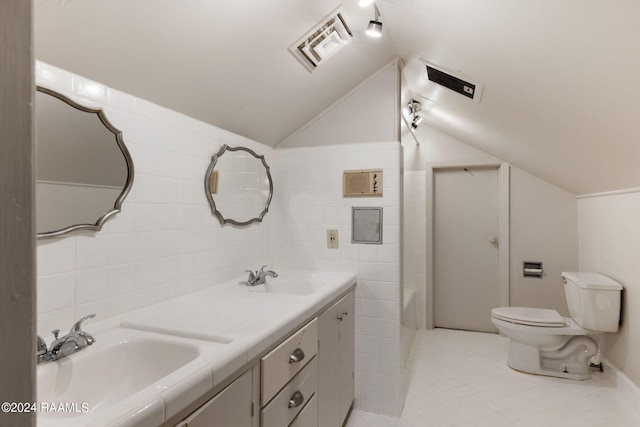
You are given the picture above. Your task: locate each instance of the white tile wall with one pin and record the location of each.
(165, 242)
(308, 202)
(415, 243)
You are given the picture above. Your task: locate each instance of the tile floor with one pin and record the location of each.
(461, 379)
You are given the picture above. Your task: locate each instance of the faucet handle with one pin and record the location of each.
(251, 280)
(55, 333)
(77, 327)
(42, 352)
(41, 346)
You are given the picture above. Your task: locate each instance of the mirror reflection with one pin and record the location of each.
(238, 185)
(84, 170)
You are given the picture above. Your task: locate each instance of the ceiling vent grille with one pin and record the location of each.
(322, 41)
(454, 82)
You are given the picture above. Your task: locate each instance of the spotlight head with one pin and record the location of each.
(374, 29)
(415, 122)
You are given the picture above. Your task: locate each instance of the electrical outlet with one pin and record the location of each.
(332, 239)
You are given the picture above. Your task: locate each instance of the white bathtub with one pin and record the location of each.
(409, 322)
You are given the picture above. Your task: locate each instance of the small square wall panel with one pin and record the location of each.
(366, 225)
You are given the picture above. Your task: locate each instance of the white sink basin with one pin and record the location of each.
(119, 365)
(292, 286)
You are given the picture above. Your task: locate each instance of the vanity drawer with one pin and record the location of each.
(284, 361)
(308, 417)
(292, 398)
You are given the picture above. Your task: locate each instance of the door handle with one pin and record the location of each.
(493, 240)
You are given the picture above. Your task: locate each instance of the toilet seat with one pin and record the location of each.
(527, 316)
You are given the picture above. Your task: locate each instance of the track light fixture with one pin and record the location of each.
(374, 29)
(414, 108)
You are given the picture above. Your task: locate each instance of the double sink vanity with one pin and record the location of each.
(276, 350)
(275, 354)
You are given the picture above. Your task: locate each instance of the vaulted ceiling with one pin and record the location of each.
(559, 78)
(225, 62)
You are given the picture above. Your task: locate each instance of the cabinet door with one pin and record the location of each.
(348, 347)
(336, 352)
(329, 367)
(233, 406)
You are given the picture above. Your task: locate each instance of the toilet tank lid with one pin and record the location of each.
(593, 281)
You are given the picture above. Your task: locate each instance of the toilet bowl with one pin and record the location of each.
(545, 343)
(545, 348)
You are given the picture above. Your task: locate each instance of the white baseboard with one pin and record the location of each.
(622, 382)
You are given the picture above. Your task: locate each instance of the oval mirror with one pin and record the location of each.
(84, 170)
(238, 186)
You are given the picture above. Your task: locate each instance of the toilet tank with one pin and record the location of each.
(593, 300)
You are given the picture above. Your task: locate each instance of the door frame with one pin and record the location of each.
(503, 229)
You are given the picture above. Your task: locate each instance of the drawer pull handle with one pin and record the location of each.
(296, 356)
(296, 400)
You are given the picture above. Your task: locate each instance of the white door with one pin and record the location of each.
(465, 248)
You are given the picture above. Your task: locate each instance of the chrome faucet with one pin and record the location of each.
(75, 340)
(259, 277)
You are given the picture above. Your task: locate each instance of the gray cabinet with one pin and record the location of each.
(306, 381)
(336, 361)
(233, 406)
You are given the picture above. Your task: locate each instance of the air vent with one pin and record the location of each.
(456, 83)
(322, 41)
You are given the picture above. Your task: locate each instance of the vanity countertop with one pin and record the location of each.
(230, 323)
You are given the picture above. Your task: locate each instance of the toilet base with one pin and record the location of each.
(571, 361)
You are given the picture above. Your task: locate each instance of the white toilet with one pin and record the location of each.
(545, 343)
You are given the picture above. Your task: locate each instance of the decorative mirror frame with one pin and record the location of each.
(208, 189)
(97, 226)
